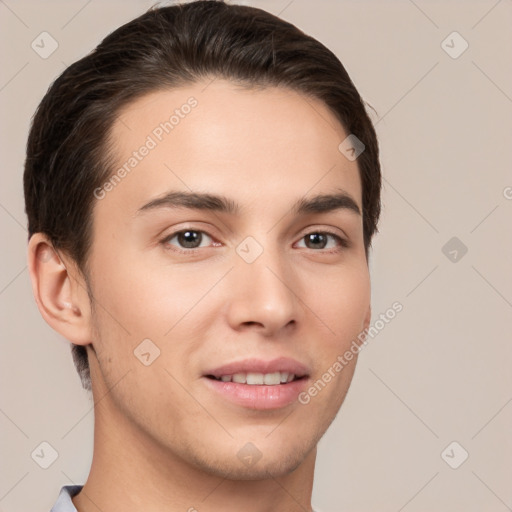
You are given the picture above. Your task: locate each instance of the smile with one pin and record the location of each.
(259, 384)
(253, 378)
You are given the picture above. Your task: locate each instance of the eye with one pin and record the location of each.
(320, 240)
(187, 239)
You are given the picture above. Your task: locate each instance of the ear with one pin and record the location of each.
(60, 291)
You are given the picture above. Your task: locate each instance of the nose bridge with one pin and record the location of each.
(263, 291)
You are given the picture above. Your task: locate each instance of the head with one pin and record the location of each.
(221, 101)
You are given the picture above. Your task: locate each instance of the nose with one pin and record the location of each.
(264, 295)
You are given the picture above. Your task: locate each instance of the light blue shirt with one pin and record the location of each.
(64, 503)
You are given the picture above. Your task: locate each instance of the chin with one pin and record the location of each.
(273, 461)
(261, 470)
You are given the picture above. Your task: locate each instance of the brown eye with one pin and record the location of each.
(321, 239)
(187, 239)
(316, 240)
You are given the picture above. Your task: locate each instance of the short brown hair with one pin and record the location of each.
(166, 47)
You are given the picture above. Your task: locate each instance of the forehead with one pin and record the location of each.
(254, 144)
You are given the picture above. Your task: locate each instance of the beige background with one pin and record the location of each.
(439, 372)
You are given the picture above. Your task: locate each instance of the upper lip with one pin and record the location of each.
(281, 364)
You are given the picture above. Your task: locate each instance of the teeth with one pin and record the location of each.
(253, 378)
(272, 378)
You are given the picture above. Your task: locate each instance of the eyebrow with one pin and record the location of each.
(320, 203)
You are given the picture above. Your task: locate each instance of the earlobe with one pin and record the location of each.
(60, 295)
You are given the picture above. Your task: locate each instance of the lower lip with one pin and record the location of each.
(254, 396)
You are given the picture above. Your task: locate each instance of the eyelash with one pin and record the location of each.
(342, 242)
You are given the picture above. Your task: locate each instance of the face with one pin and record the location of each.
(225, 286)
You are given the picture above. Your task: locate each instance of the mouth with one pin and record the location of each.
(259, 384)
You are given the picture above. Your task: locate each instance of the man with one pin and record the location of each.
(202, 191)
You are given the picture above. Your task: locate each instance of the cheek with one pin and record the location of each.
(147, 300)
(343, 305)
(168, 305)
(346, 308)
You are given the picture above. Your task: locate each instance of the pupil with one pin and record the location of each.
(317, 238)
(188, 239)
